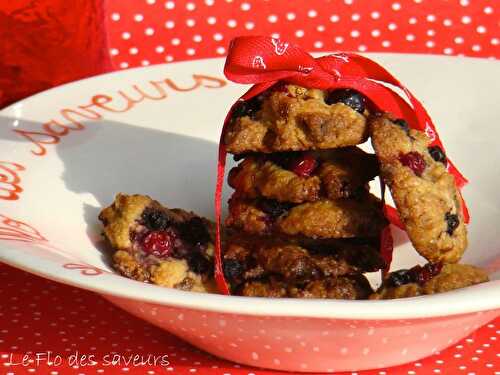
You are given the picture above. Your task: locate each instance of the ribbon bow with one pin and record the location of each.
(263, 61)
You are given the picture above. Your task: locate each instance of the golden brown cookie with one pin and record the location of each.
(401, 284)
(425, 194)
(293, 118)
(344, 287)
(151, 243)
(296, 260)
(299, 177)
(343, 218)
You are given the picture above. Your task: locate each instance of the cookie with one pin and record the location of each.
(299, 177)
(343, 218)
(295, 260)
(401, 284)
(293, 118)
(152, 243)
(344, 287)
(426, 197)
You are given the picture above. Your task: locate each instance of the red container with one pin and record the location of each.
(44, 43)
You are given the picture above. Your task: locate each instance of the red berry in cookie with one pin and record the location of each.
(304, 165)
(414, 161)
(159, 243)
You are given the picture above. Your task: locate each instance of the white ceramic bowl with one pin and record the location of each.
(64, 154)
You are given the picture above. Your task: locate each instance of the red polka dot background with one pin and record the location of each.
(62, 323)
(144, 32)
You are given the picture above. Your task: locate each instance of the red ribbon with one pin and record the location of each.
(263, 61)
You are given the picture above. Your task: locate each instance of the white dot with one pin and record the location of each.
(169, 58)
(176, 42)
(221, 50)
(339, 39)
(312, 13)
(396, 6)
(170, 24)
(149, 31)
(255, 356)
(124, 65)
(375, 15)
(477, 48)
(299, 33)
(115, 16)
(448, 51)
(209, 2)
(481, 29)
(431, 32)
(495, 41)
(404, 351)
(362, 48)
(190, 22)
(197, 38)
(190, 6)
(275, 35)
(464, 3)
(170, 5)
(447, 22)
(133, 50)
(249, 25)
(356, 17)
(190, 51)
(488, 10)
(218, 36)
(276, 361)
(375, 33)
(160, 49)
(150, 2)
(272, 18)
(318, 44)
(290, 16)
(126, 35)
(320, 28)
(334, 18)
(431, 18)
(355, 33)
(366, 351)
(412, 21)
(466, 20)
(138, 17)
(145, 62)
(348, 2)
(211, 20)
(437, 371)
(458, 40)
(114, 51)
(245, 6)
(392, 26)
(231, 23)
(386, 44)
(344, 350)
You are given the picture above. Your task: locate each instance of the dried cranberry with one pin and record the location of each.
(155, 219)
(349, 97)
(414, 161)
(421, 275)
(247, 108)
(452, 222)
(437, 154)
(274, 208)
(398, 278)
(194, 232)
(159, 243)
(402, 124)
(233, 270)
(304, 166)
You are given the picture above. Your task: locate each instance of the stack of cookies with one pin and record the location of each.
(302, 222)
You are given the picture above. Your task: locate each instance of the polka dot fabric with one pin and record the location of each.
(48, 328)
(144, 32)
